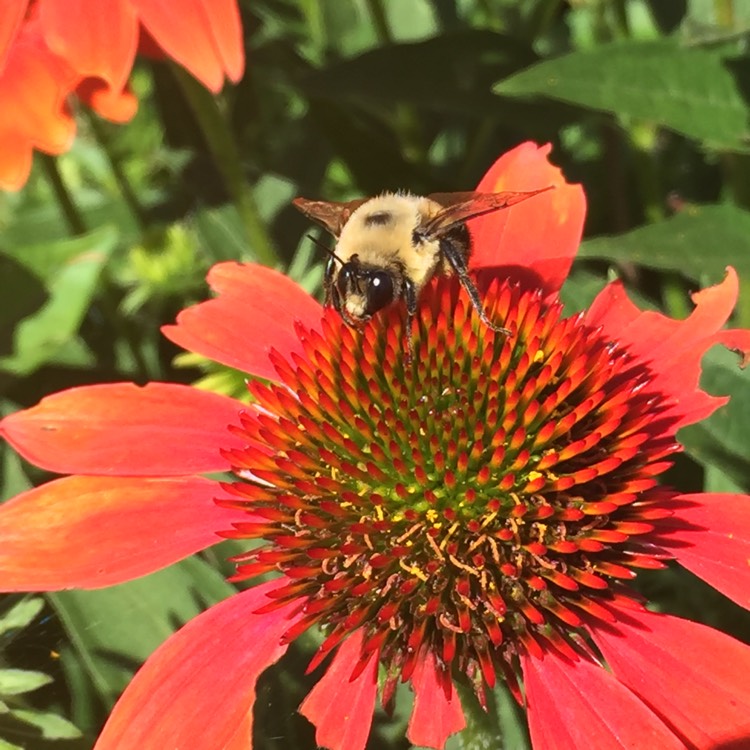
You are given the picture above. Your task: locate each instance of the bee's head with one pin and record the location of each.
(364, 290)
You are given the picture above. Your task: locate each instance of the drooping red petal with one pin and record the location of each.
(341, 708)
(196, 691)
(574, 705)
(696, 678)
(97, 39)
(256, 309)
(121, 429)
(435, 717)
(33, 87)
(673, 348)
(91, 532)
(115, 106)
(226, 30)
(711, 538)
(11, 15)
(542, 233)
(205, 36)
(16, 155)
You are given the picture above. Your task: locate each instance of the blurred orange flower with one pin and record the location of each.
(50, 49)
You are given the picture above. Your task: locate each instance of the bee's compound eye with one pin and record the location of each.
(379, 291)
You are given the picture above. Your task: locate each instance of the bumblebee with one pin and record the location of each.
(390, 246)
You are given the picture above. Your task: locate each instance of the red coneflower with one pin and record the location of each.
(50, 49)
(473, 514)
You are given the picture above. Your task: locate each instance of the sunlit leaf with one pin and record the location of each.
(19, 681)
(692, 91)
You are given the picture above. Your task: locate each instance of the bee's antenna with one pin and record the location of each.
(325, 248)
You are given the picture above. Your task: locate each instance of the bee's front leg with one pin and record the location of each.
(410, 297)
(457, 260)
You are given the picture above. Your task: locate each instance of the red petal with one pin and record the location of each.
(197, 690)
(97, 39)
(33, 87)
(256, 309)
(121, 429)
(711, 538)
(205, 36)
(540, 234)
(243, 737)
(574, 705)
(113, 104)
(12, 13)
(697, 678)
(435, 717)
(342, 708)
(226, 29)
(91, 532)
(15, 160)
(673, 348)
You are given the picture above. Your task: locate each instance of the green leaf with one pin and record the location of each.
(21, 614)
(692, 91)
(51, 726)
(698, 241)
(5, 745)
(71, 269)
(114, 630)
(580, 290)
(19, 681)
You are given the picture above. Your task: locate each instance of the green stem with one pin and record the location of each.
(540, 19)
(123, 184)
(73, 216)
(380, 21)
(622, 25)
(220, 140)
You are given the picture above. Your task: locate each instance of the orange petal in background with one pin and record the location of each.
(11, 15)
(204, 36)
(34, 85)
(97, 39)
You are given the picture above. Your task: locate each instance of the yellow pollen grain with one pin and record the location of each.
(539, 356)
(414, 570)
(379, 512)
(431, 515)
(535, 475)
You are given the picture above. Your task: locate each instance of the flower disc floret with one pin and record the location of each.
(481, 498)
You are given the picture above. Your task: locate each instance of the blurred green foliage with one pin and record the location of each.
(647, 103)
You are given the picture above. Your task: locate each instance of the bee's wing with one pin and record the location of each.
(329, 214)
(460, 207)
